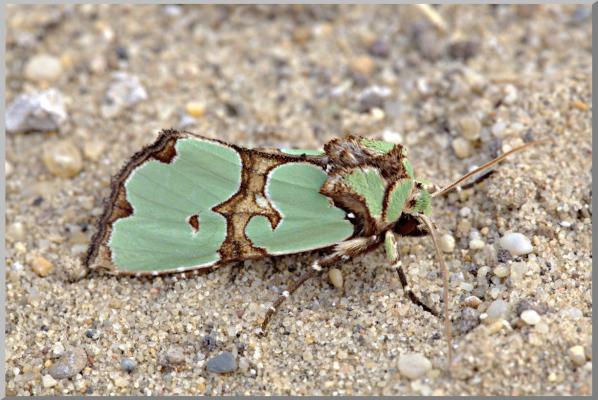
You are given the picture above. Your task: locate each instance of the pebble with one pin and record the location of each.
(391, 136)
(373, 97)
(462, 147)
(502, 271)
(518, 270)
(93, 149)
(41, 266)
(7, 168)
(125, 91)
(414, 365)
(336, 278)
(470, 318)
(62, 159)
(57, 350)
(447, 243)
(516, 243)
(531, 317)
(39, 111)
(498, 128)
(476, 244)
(577, 354)
(362, 65)
(498, 309)
(48, 381)
(16, 231)
(195, 109)
(93, 334)
(174, 355)
(70, 364)
(379, 49)
(222, 363)
(120, 381)
(572, 312)
(472, 301)
(469, 128)
(43, 68)
(128, 364)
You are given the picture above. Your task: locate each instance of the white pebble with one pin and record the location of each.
(498, 128)
(497, 309)
(577, 354)
(476, 244)
(530, 317)
(7, 168)
(502, 271)
(462, 147)
(465, 212)
(48, 381)
(466, 286)
(572, 312)
(43, 68)
(516, 243)
(392, 136)
(57, 350)
(469, 127)
(447, 243)
(414, 365)
(336, 278)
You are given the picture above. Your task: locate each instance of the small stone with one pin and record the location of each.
(476, 244)
(498, 309)
(518, 270)
(195, 109)
(128, 364)
(16, 231)
(502, 271)
(462, 147)
(362, 65)
(43, 68)
(577, 354)
(465, 212)
(93, 149)
(447, 243)
(39, 111)
(379, 49)
(125, 91)
(466, 286)
(499, 128)
(93, 334)
(307, 355)
(62, 159)
(7, 168)
(510, 94)
(48, 381)
(70, 364)
(373, 97)
(464, 49)
(222, 363)
(391, 136)
(427, 42)
(414, 365)
(302, 34)
(572, 312)
(41, 266)
(243, 364)
(469, 128)
(470, 318)
(516, 243)
(530, 317)
(120, 381)
(336, 278)
(174, 355)
(57, 350)
(472, 301)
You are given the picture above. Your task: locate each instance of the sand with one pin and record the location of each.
(297, 76)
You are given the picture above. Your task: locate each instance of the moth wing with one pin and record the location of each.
(159, 217)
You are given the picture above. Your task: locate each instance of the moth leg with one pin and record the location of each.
(315, 269)
(390, 245)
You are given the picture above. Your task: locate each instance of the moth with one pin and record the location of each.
(187, 203)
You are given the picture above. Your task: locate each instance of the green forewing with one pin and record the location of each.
(397, 197)
(377, 145)
(309, 219)
(158, 236)
(369, 184)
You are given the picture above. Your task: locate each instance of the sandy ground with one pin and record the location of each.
(299, 76)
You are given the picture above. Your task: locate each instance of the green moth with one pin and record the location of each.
(189, 203)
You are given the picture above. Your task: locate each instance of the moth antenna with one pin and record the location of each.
(439, 255)
(486, 166)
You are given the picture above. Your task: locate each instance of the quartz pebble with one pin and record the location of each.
(502, 271)
(447, 243)
(373, 97)
(462, 147)
(7, 169)
(392, 136)
(577, 354)
(469, 128)
(41, 266)
(336, 278)
(48, 381)
(572, 312)
(125, 91)
(530, 317)
(43, 68)
(39, 111)
(498, 309)
(57, 350)
(93, 149)
(195, 109)
(476, 244)
(174, 355)
(16, 231)
(62, 159)
(362, 65)
(414, 365)
(516, 243)
(222, 363)
(70, 364)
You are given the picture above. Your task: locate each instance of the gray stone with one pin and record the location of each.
(70, 364)
(222, 363)
(125, 91)
(40, 111)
